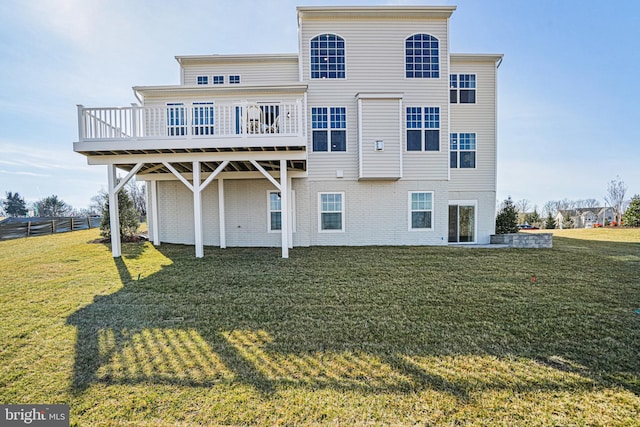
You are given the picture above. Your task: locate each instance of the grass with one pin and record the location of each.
(345, 336)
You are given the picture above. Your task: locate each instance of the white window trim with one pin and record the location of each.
(422, 129)
(320, 230)
(458, 151)
(234, 75)
(292, 201)
(404, 56)
(458, 89)
(346, 75)
(473, 203)
(329, 128)
(410, 211)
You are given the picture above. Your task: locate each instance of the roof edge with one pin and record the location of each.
(378, 11)
(242, 58)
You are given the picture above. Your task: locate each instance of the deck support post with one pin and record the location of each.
(284, 201)
(114, 217)
(221, 217)
(154, 212)
(197, 210)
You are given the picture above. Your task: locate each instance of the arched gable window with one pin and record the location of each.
(327, 57)
(422, 56)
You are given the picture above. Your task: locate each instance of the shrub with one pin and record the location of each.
(129, 217)
(631, 217)
(507, 218)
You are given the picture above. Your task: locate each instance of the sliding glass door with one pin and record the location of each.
(462, 223)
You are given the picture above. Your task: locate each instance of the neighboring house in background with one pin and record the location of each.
(372, 134)
(585, 217)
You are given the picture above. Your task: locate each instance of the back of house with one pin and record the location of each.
(372, 134)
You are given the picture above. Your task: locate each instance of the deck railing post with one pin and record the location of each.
(81, 129)
(134, 121)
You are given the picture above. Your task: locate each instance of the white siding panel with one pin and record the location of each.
(252, 73)
(377, 212)
(380, 121)
(481, 119)
(375, 61)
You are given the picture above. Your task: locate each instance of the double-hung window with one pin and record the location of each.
(462, 150)
(420, 210)
(203, 80)
(329, 126)
(176, 119)
(462, 88)
(423, 128)
(327, 57)
(422, 56)
(218, 80)
(275, 211)
(203, 118)
(234, 80)
(331, 212)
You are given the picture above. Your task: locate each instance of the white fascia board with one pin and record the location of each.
(475, 57)
(195, 90)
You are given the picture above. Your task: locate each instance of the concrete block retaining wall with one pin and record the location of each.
(524, 240)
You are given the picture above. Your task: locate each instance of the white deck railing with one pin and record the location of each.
(191, 120)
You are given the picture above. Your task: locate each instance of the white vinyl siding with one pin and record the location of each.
(257, 72)
(380, 121)
(375, 56)
(478, 118)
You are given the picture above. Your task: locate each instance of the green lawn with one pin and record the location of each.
(342, 336)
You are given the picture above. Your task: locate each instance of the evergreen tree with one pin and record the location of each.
(631, 217)
(129, 217)
(567, 221)
(14, 204)
(534, 218)
(507, 218)
(52, 206)
(550, 223)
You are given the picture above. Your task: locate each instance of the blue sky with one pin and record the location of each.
(568, 113)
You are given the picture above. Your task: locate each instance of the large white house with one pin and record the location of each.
(372, 134)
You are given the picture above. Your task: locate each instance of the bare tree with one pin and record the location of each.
(616, 191)
(138, 195)
(587, 203)
(550, 208)
(523, 205)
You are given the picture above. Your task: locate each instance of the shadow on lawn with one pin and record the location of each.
(246, 316)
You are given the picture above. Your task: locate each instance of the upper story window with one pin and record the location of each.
(462, 149)
(327, 57)
(203, 80)
(234, 80)
(329, 127)
(462, 88)
(176, 119)
(423, 128)
(422, 57)
(203, 122)
(218, 80)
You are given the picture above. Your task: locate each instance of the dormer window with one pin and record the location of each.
(327, 57)
(422, 56)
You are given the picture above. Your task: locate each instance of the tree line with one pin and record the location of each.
(624, 210)
(14, 204)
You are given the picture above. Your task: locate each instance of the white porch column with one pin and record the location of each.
(197, 210)
(114, 217)
(284, 208)
(154, 213)
(290, 203)
(223, 232)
